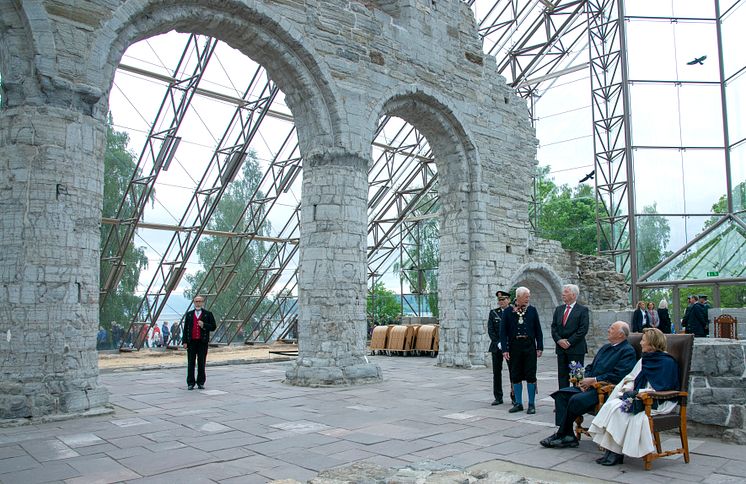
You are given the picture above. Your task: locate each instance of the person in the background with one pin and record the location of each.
(665, 318)
(653, 314)
(696, 319)
(640, 318)
(195, 337)
(494, 322)
(165, 332)
(176, 333)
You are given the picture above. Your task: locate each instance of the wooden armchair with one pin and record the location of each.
(680, 346)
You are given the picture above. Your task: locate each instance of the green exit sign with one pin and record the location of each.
(713, 274)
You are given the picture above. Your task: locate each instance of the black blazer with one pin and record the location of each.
(574, 331)
(695, 320)
(612, 363)
(509, 328)
(493, 329)
(637, 324)
(209, 325)
(665, 320)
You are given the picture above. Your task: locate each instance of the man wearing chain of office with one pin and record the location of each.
(522, 342)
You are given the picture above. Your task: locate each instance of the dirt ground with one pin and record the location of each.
(160, 357)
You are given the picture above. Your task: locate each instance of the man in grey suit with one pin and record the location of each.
(569, 327)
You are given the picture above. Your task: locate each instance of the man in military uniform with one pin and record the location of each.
(522, 342)
(493, 329)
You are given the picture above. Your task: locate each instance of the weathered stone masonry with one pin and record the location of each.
(342, 66)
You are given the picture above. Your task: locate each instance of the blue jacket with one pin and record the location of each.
(612, 363)
(509, 328)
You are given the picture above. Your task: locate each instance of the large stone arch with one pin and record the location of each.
(250, 27)
(546, 288)
(456, 159)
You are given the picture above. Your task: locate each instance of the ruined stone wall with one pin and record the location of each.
(342, 66)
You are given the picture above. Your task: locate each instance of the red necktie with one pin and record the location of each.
(564, 318)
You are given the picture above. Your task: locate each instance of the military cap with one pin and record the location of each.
(502, 294)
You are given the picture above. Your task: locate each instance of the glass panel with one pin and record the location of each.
(673, 180)
(719, 254)
(734, 55)
(733, 296)
(735, 92)
(738, 176)
(669, 115)
(675, 44)
(680, 8)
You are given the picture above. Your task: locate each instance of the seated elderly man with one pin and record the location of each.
(612, 362)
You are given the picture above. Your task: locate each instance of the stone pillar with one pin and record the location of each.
(50, 200)
(332, 276)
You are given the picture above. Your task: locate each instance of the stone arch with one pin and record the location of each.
(250, 27)
(546, 287)
(456, 157)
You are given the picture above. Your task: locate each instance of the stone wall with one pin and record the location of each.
(717, 403)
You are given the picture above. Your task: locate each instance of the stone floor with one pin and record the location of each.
(248, 426)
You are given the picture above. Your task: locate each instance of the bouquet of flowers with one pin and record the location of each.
(577, 372)
(628, 402)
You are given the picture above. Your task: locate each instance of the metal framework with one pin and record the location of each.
(536, 42)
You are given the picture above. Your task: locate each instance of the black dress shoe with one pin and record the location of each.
(613, 459)
(201, 387)
(498, 401)
(545, 442)
(564, 442)
(516, 408)
(531, 410)
(190, 387)
(604, 457)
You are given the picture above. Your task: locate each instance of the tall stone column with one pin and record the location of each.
(332, 277)
(51, 181)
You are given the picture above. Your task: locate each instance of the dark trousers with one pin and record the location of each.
(196, 351)
(569, 404)
(522, 361)
(497, 374)
(563, 366)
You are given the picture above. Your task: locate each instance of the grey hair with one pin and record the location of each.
(521, 291)
(624, 327)
(663, 304)
(573, 288)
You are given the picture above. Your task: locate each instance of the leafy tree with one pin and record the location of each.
(119, 164)
(653, 234)
(228, 213)
(569, 216)
(383, 306)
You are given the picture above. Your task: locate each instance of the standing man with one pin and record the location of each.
(696, 318)
(493, 329)
(569, 327)
(522, 342)
(612, 363)
(196, 334)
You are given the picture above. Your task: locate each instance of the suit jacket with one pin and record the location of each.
(209, 325)
(612, 363)
(493, 329)
(696, 320)
(509, 328)
(637, 323)
(573, 331)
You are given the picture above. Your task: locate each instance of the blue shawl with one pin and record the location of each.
(660, 370)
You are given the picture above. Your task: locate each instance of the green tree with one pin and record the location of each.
(119, 164)
(383, 306)
(569, 216)
(228, 213)
(653, 234)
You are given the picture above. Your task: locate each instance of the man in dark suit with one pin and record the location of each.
(493, 329)
(195, 337)
(522, 342)
(569, 327)
(612, 363)
(695, 318)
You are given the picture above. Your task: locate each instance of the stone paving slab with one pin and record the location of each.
(248, 426)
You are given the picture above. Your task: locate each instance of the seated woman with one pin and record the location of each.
(619, 430)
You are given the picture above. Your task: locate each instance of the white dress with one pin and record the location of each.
(622, 432)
